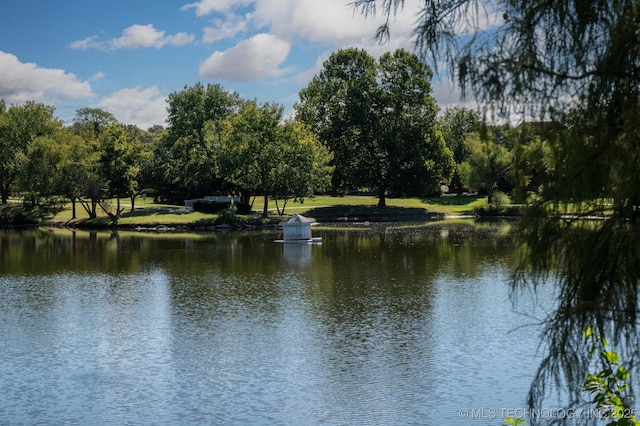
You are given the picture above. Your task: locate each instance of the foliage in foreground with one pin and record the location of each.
(582, 76)
(25, 214)
(609, 388)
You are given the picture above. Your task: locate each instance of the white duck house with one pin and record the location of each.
(298, 229)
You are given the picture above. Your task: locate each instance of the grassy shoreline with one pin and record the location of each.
(357, 208)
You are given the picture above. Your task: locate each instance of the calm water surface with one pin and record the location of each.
(388, 326)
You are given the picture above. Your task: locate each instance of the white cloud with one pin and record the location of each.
(206, 7)
(98, 76)
(252, 59)
(332, 24)
(332, 21)
(327, 21)
(142, 107)
(87, 43)
(135, 37)
(21, 82)
(226, 28)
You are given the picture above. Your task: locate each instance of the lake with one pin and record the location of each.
(391, 324)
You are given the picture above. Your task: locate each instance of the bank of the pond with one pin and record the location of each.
(226, 222)
(321, 208)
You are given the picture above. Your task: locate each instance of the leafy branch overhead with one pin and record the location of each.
(572, 67)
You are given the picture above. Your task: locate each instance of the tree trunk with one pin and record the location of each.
(265, 209)
(113, 217)
(382, 197)
(73, 208)
(490, 193)
(133, 202)
(284, 206)
(90, 209)
(277, 207)
(456, 183)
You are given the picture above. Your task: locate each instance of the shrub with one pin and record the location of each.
(500, 200)
(243, 208)
(500, 206)
(19, 215)
(229, 217)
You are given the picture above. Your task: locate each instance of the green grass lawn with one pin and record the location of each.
(145, 214)
(149, 214)
(447, 205)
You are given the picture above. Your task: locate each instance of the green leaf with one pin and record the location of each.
(622, 373)
(514, 421)
(611, 356)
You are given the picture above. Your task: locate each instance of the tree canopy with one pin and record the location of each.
(576, 63)
(216, 143)
(20, 126)
(456, 124)
(195, 121)
(92, 120)
(261, 155)
(337, 105)
(379, 120)
(117, 163)
(489, 160)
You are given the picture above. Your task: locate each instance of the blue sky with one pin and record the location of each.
(126, 57)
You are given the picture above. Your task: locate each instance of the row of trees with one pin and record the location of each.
(217, 142)
(360, 124)
(250, 150)
(93, 159)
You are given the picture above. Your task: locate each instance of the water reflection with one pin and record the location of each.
(386, 325)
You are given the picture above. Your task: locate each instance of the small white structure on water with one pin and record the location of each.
(297, 230)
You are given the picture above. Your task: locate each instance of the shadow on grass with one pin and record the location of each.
(152, 214)
(152, 211)
(451, 200)
(369, 213)
(26, 215)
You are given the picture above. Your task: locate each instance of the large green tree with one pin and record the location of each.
(378, 119)
(304, 166)
(195, 125)
(75, 168)
(338, 105)
(457, 123)
(254, 149)
(38, 177)
(575, 62)
(407, 152)
(92, 121)
(118, 158)
(20, 125)
(533, 159)
(489, 161)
